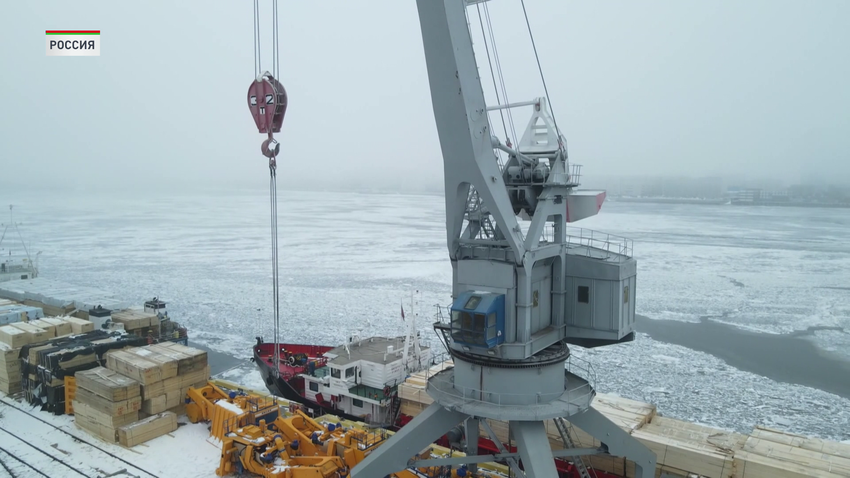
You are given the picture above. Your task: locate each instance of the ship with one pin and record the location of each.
(357, 380)
(13, 265)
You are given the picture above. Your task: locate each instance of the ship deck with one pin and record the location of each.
(372, 349)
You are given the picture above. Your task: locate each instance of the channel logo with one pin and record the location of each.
(73, 42)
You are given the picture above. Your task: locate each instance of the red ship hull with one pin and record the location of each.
(295, 359)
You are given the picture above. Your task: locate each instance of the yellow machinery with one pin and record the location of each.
(291, 447)
(299, 447)
(257, 438)
(225, 408)
(201, 401)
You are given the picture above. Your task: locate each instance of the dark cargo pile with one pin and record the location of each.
(45, 365)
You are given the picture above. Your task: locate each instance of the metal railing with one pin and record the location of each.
(593, 241)
(575, 174)
(583, 368)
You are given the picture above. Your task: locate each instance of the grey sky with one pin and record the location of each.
(711, 87)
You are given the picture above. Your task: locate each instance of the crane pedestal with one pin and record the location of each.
(524, 393)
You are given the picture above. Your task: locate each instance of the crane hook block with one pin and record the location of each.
(267, 101)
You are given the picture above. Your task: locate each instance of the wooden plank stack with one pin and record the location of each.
(105, 401)
(772, 453)
(46, 326)
(36, 334)
(79, 326)
(13, 337)
(10, 370)
(62, 326)
(684, 447)
(137, 322)
(147, 429)
(165, 372)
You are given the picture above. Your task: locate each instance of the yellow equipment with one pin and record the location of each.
(299, 447)
(257, 438)
(201, 400)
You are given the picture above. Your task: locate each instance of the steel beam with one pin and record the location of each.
(534, 449)
(617, 441)
(422, 431)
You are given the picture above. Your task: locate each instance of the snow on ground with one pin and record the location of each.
(246, 375)
(184, 453)
(347, 260)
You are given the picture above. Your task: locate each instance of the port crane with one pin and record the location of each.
(520, 297)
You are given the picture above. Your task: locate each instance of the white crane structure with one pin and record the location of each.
(520, 297)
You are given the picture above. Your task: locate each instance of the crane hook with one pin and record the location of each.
(270, 147)
(267, 101)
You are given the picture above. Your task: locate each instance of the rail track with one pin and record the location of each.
(8, 470)
(70, 469)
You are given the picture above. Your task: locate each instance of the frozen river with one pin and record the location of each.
(777, 277)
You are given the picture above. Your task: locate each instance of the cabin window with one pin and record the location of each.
(335, 373)
(357, 403)
(473, 302)
(479, 322)
(534, 298)
(584, 294)
(474, 328)
(626, 294)
(314, 386)
(349, 372)
(466, 318)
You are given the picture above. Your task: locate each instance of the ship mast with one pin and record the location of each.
(411, 335)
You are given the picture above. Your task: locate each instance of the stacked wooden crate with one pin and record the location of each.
(61, 325)
(45, 326)
(36, 334)
(147, 429)
(14, 337)
(79, 326)
(10, 369)
(137, 322)
(105, 401)
(165, 371)
(192, 371)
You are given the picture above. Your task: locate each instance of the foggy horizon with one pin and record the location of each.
(663, 88)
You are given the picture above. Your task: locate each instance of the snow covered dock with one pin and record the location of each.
(36, 443)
